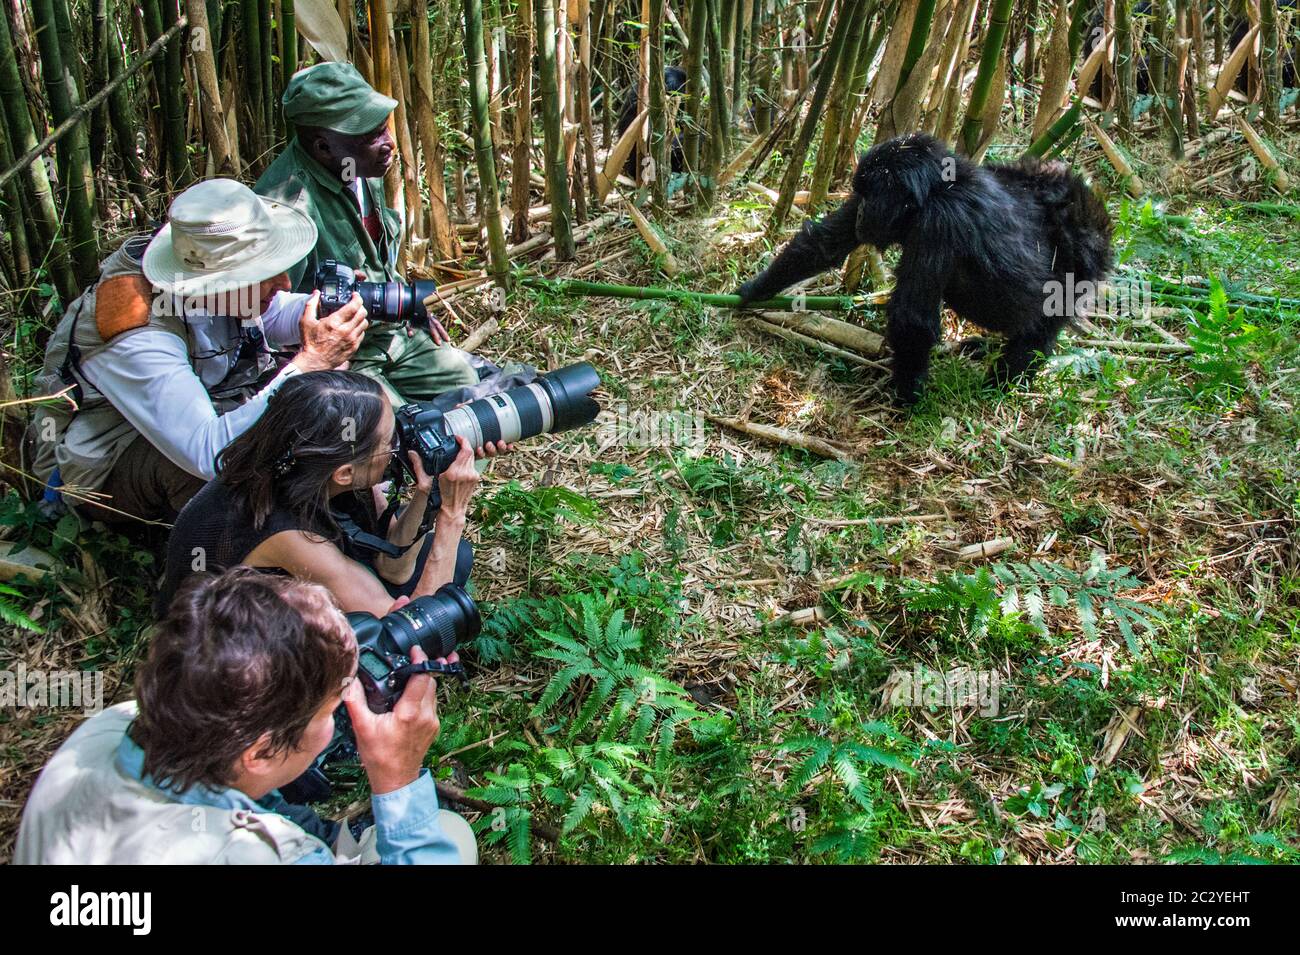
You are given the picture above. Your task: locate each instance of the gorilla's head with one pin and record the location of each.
(674, 79)
(894, 179)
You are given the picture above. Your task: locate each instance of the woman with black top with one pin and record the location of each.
(312, 462)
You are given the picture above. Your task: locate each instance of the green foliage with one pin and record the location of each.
(1220, 340)
(599, 657)
(990, 595)
(850, 758)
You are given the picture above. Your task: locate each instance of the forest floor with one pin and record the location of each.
(700, 647)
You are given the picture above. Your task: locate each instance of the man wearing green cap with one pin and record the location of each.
(333, 172)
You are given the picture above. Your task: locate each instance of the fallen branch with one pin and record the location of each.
(830, 330)
(793, 439)
(818, 343)
(480, 335)
(986, 549)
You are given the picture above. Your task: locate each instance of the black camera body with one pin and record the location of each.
(383, 301)
(437, 624)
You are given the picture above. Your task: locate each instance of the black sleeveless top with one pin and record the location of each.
(213, 533)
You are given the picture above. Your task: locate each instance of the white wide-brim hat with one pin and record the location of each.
(220, 235)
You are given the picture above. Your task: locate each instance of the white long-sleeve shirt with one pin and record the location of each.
(149, 379)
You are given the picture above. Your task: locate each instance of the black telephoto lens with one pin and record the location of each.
(438, 623)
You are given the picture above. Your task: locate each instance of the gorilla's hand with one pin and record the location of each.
(752, 291)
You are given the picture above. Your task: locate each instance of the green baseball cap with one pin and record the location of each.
(335, 96)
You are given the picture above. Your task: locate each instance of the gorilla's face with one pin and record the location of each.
(893, 180)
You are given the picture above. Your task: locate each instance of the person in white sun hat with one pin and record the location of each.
(171, 354)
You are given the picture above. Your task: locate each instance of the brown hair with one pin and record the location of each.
(237, 657)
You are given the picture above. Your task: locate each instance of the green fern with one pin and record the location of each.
(1026, 589)
(11, 614)
(1220, 340)
(599, 673)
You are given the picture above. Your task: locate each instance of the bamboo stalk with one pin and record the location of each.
(489, 206)
(521, 157)
(828, 303)
(557, 182)
(797, 154)
(443, 241)
(23, 137)
(214, 126)
(1132, 182)
(973, 130)
(74, 152)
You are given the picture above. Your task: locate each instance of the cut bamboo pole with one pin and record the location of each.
(617, 157)
(667, 263)
(775, 435)
(1228, 75)
(1132, 182)
(1281, 181)
(830, 330)
(986, 549)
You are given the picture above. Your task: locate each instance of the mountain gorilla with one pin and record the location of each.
(993, 243)
(674, 82)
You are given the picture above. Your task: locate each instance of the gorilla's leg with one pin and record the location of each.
(819, 246)
(1025, 353)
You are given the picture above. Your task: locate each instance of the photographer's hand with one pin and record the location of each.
(436, 331)
(458, 483)
(329, 342)
(393, 745)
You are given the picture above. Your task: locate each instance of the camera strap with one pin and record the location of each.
(373, 543)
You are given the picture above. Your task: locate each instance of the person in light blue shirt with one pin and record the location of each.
(236, 699)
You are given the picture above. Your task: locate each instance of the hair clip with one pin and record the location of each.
(284, 463)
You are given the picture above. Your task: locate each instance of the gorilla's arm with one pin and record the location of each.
(819, 246)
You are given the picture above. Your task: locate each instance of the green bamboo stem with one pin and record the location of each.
(557, 181)
(836, 113)
(795, 160)
(1068, 120)
(251, 31)
(22, 137)
(972, 130)
(269, 111)
(916, 41)
(719, 111)
(783, 303)
(73, 153)
(489, 201)
(288, 41)
(121, 114)
(694, 63)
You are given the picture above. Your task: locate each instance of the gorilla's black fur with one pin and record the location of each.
(674, 82)
(985, 240)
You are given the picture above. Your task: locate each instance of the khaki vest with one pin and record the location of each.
(86, 442)
(83, 810)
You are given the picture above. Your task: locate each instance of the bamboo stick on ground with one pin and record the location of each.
(801, 339)
(773, 434)
(830, 330)
(986, 549)
(667, 262)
